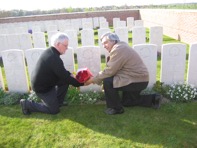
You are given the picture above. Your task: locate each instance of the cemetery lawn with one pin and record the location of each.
(172, 126)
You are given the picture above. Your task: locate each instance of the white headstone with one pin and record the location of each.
(13, 41)
(148, 53)
(156, 36)
(3, 43)
(3, 31)
(15, 70)
(101, 19)
(87, 23)
(89, 56)
(87, 37)
(25, 41)
(39, 40)
(192, 68)
(115, 20)
(68, 60)
(61, 24)
(100, 33)
(73, 39)
(52, 28)
(104, 25)
(138, 23)
(173, 58)
(95, 22)
(32, 56)
(138, 35)
(36, 29)
(48, 23)
(121, 24)
(76, 23)
(50, 34)
(130, 23)
(11, 28)
(21, 30)
(122, 33)
(2, 85)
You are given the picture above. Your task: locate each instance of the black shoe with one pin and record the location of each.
(63, 104)
(24, 108)
(157, 101)
(111, 111)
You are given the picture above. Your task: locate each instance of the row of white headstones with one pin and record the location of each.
(173, 64)
(26, 41)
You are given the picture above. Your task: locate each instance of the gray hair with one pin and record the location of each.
(111, 36)
(59, 37)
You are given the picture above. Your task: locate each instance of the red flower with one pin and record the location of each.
(83, 75)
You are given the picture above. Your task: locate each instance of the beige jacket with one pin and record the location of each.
(125, 65)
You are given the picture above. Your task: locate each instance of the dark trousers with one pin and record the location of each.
(130, 95)
(51, 100)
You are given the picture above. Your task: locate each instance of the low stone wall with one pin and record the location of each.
(179, 24)
(109, 15)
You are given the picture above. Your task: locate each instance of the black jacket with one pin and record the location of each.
(49, 72)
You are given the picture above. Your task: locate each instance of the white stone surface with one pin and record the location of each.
(192, 68)
(104, 24)
(87, 37)
(156, 36)
(32, 55)
(138, 35)
(2, 85)
(3, 43)
(13, 41)
(49, 35)
(138, 23)
(121, 24)
(122, 33)
(15, 70)
(95, 22)
(130, 23)
(148, 53)
(89, 56)
(36, 29)
(68, 60)
(52, 28)
(115, 20)
(73, 39)
(100, 33)
(173, 59)
(25, 41)
(39, 40)
(87, 23)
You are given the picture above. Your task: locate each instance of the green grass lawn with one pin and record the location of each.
(78, 126)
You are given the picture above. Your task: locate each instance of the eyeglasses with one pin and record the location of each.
(64, 45)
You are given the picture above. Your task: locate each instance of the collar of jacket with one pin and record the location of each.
(55, 50)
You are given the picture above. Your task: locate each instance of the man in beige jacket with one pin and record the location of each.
(126, 72)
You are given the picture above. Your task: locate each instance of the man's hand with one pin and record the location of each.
(89, 81)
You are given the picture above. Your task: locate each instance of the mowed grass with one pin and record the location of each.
(172, 126)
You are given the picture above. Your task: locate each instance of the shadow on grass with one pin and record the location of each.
(170, 126)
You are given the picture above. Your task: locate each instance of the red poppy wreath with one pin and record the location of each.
(83, 74)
